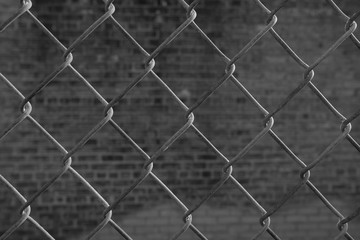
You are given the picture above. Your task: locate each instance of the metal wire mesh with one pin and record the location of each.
(268, 122)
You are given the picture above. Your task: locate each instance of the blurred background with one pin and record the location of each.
(150, 116)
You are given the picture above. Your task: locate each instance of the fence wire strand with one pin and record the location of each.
(148, 164)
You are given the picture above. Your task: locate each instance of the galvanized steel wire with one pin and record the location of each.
(228, 75)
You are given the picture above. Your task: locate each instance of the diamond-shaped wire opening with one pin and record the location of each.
(340, 85)
(159, 222)
(152, 102)
(116, 62)
(56, 210)
(224, 117)
(309, 218)
(267, 175)
(225, 23)
(228, 213)
(326, 27)
(67, 109)
(341, 180)
(114, 166)
(34, 152)
(304, 123)
(79, 17)
(35, 57)
(149, 22)
(182, 65)
(189, 168)
(264, 69)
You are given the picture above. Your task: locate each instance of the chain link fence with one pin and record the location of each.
(269, 119)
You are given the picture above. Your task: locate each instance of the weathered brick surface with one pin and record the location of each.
(149, 115)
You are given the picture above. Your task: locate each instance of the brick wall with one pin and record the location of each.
(149, 115)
